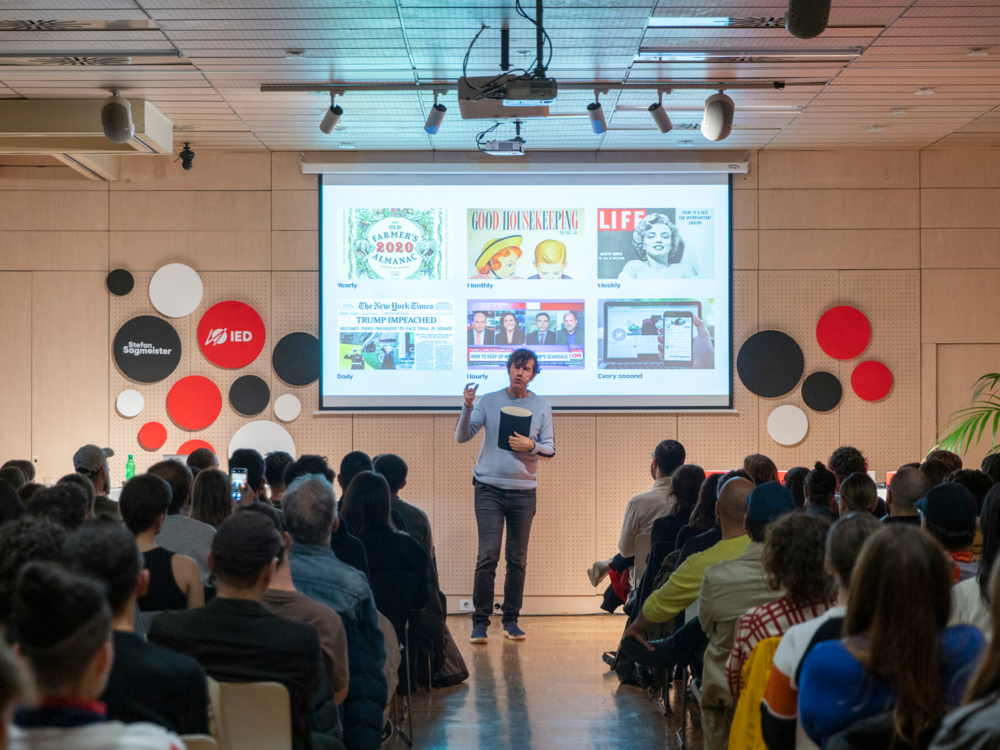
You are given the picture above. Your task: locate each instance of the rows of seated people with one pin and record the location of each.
(118, 616)
(809, 612)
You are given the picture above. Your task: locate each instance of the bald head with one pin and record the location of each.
(907, 486)
(732, 505)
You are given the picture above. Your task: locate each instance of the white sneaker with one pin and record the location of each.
(598, 572)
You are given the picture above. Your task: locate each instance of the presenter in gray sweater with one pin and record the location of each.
(505, 482)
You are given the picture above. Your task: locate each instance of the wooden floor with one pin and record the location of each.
(550, 691)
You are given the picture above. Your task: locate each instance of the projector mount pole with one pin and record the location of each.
(539, 40)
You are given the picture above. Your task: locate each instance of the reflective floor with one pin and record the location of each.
(550, 691)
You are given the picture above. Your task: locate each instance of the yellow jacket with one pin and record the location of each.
(745, 733)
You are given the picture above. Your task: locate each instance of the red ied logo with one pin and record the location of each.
(231, 334)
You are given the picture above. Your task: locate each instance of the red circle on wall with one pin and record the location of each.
(194, 402)
(231, 334)
(843, 332)
(152, 435)
(191, 446)
(871, 380)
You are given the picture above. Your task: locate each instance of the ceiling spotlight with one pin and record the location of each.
(923, 92)
(187, 156)
(116, 117)
(659, 115)
(978, 52)
(435, 117)
(807, 19)
(596, 114)
(332, 116)
(717, 122)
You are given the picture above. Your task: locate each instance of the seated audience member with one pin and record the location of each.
(180, 534)
(256, 489)
(975, 481)
(728, 590)
(685, 484)
(702, 516)
(211, 503)
(858, 495)
(897, 654)
(398, 563)
(952, 460)
(310, 516)
(760, 468)
(28, 491)
(683, 587)
(949, 515)
(25, 540)
(11, 690)
(779, 710)
(234, 637)
(201, 459)
(991, 465)
(174, 580)
(935, 470)
(147, 682)
(794, 481)
(85, 484)
(847, 460)
(818, 492)
(970, 599)
(308, 464)
(13, 476)
(906, 487)
(793, 561)
(345, 543)
(27, 468)
(275, 464)
(11, 507)
(92, 462)
(713, 536)
(63, 624)
(66, 504)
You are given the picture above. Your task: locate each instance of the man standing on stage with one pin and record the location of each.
(505, 482)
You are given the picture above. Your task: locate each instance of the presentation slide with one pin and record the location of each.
(619, 282)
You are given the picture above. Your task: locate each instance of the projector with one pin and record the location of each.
(513, 147)
(530, 92)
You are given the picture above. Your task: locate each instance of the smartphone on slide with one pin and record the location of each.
(237, 481)
(678, 338)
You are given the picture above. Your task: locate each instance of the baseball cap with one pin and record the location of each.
(949, 506)
(767, 502)
(90, 458)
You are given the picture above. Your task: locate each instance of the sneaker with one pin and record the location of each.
(598, 572)
(478, 634)
(512, 631)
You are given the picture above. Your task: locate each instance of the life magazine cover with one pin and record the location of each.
(655, 243)
(393, 244)
(542, 244)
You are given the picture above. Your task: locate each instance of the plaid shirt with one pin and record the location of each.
(766, 621)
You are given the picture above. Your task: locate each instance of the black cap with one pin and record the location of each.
(949, 506)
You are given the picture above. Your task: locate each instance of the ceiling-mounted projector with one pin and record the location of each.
(513, 147)
(530, 92)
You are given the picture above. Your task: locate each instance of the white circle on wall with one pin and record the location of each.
(287, 407)
(787, 425)
(262, 436)
(129, 403)
(175, 290)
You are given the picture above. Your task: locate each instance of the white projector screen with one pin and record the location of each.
(428, 282)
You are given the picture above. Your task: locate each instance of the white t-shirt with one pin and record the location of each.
(968, 608)
(106, 735)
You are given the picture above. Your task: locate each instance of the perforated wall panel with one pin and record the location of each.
(412, 437)
(454, 516)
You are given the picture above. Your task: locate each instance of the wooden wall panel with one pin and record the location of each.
(960, 208)
(838, 169)
(928, 394)
(15, 376)
(954, 306)
(949, 168)
(211, 171)
(295, 251)
(47, 178)
(839, 248)
(958, 368)
(203, 251)
(412, 438)
(839, 209)
(59, 210)
(69, 366)
(207, 211)
(287, 175)
(745, 249)
(960, 248)
(745, 209)
(53, 251)
(295, 209)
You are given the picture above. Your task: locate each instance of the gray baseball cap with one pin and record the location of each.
(90, 458)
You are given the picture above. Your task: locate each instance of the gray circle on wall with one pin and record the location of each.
(120, 282)
(249, 395)
(296, 358)
(822, 391)
(770, 364)
(147, 349)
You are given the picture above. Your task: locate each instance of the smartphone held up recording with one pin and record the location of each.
(237, 482)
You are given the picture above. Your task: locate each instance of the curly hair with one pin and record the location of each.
(794, 557)
(493, 263)
(979, 483)
(847, 460)
(676, 253)
(22, 541)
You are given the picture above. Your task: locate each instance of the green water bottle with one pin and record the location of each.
(129, 468)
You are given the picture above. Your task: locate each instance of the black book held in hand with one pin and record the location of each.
(512, 419)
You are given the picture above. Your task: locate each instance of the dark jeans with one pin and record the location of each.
(494, 505)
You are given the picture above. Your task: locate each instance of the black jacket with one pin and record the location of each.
(398, 565)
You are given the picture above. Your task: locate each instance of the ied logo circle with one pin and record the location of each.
(147, 349)
(231, 334)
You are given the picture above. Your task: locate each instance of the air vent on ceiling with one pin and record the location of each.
(143, 25)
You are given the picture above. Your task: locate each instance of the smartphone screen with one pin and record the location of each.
(678, 339)
(237, 480)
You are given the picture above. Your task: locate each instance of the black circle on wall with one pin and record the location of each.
(120, 282)
(770, 364)
(249, 395)
(296, 358)
(147, 349)
(822, 391)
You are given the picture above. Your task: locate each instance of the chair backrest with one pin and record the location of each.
(745, 733)
(643, 542)
(200, 742)
(254, 716)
